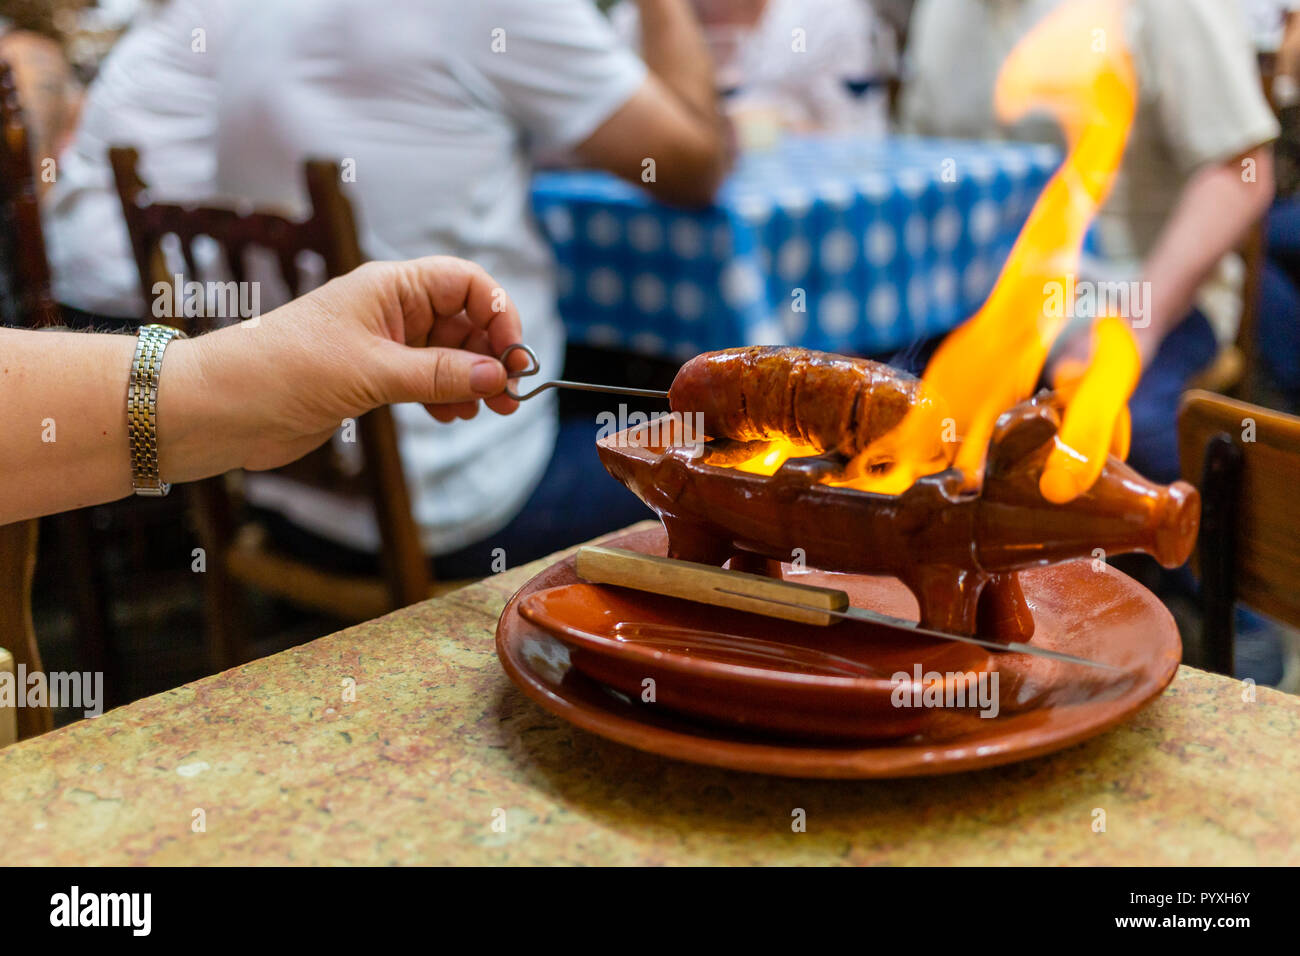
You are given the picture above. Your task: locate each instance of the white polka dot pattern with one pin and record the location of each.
(837, 243)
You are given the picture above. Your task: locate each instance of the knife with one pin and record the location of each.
(771, 597)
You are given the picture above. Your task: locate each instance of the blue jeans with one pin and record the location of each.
(1279, 299)
(1154, 407)
(1187, 350)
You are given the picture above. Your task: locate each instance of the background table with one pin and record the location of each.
(437, 740)
(889, 240)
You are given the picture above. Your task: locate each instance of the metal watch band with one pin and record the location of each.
(142, 408)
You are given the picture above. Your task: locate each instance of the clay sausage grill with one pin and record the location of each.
(957, 550)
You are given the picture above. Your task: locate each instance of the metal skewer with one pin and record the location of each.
(560, 383)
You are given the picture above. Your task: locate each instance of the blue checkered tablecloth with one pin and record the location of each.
(843, 244)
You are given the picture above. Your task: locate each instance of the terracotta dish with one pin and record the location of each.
(961, 553)
(1102, 615)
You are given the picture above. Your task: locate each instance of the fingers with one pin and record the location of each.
(437, 376)
(456, 303)
(467, 309)
(444, 321)
(453, 412)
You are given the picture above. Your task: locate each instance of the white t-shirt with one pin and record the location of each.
(1266, 21)
(437, 104)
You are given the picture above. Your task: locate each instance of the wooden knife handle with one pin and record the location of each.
(700, 582)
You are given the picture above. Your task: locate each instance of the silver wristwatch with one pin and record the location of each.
(142, 408)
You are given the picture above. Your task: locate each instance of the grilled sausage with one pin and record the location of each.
(828, 402)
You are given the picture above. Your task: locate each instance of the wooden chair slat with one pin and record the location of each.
(31, 269)
(17, 568)
(35, 306)
(289, 270)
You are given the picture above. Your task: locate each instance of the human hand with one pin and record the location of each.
(264, 393)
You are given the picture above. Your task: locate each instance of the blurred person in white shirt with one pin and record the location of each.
(800, 65)
(1180, 203)
(1266, 21)
(437, 106)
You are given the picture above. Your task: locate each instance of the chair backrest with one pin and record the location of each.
(330, 232)
(17, 567)
(24, 256)
(1265, 495)
(28, 275)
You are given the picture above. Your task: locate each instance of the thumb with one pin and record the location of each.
(438, 376)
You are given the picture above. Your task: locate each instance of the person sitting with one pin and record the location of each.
(1277, 25)
(798, 65)
(435, 109)
(1196, 175)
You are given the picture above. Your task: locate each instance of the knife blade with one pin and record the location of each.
(852, 613)
(771, 597)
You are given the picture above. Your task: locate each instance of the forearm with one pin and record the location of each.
(1216, 210)
(64, 438)
(65, 444)
(255, 395)
(673, 47)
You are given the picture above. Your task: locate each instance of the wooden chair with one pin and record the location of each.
(1246, 461)
(240, 553)
(30, 282)
(30, 267)
(17, 567)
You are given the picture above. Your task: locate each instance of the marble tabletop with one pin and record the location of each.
(402, 741)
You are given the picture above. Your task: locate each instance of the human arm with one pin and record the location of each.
(1210, 115)
(1288, 54)
(255, 395)
(673, 118)
(1215, 210)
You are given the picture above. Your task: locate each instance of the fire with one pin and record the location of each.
(768, 460)
(1073, 65)
(1096, 416)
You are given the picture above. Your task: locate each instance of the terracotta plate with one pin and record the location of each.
(755, 672)
(1044, 705)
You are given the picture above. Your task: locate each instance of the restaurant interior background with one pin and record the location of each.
(116, 588)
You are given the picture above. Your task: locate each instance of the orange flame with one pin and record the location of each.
(769, 459)
(1096, 417)
(1074, 65)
